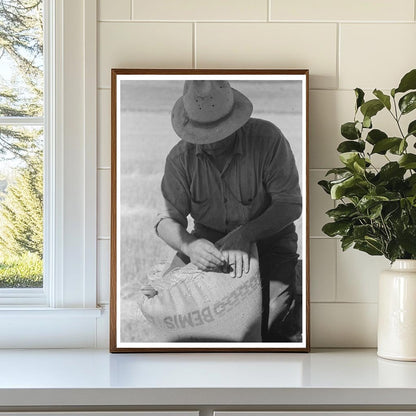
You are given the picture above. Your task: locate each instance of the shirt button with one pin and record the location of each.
(226, 222)
(225, 200)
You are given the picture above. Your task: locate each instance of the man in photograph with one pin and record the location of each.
(236, 177)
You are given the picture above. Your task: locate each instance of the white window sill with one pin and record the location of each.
(323, 378)
(37, 312)
(41, 327)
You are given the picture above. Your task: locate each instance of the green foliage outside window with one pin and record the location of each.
(21, 147)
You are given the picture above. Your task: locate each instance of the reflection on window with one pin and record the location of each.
(21, 143)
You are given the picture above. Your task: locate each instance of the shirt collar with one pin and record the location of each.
(237, 150)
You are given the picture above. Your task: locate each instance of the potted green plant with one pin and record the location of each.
(376, 206)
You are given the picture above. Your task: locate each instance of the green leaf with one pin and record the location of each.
(371, 108)
(408, 161)
(342, 211)
(360, 231)
(385, 144)
(374, 242)
(349, 131)
(393, 92)
(393, 250)
(413, 212)
(349, 146)
(325, 186)
(375, 211)
(391, 170)
(367, 122)
(359, 165)
(375, 136)
(408, 82)
(354, 161)
(348, 158)
(342, 179)
(385, 99)
(408, 102)
(346, 242)
(338, 171)
(359, 95)
(407, 239)
(368, 248)
(398, 149)
(411, 183)
(336, 228)
(411, 130)
(412, 179)
(338, 189)
(368, 201)
(402, 147)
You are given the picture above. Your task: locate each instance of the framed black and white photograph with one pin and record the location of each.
(209, 210)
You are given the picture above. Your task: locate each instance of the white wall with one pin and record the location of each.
(345, 44)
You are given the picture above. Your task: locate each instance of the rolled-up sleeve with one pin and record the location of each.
(281, 176)
(175, 192)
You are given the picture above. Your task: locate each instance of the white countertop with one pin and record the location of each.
(96, 377)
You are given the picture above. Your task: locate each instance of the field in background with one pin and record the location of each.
(17, 271)
(25, 271)
(146, 138)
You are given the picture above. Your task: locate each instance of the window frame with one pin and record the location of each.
(34, 296)
(70, 207)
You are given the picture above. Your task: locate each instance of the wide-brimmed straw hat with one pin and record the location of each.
(209, 111)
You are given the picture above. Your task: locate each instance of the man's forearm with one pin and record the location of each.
(278, 216)
(174, 234)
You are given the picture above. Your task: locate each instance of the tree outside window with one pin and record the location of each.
(21, 143)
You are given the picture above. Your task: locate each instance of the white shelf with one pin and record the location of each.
(40, 378)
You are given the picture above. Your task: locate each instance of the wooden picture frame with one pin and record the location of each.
(146, 312)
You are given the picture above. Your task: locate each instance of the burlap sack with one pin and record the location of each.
(194, 306)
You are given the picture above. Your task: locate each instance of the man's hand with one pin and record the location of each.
(204, 255)
(236, 250)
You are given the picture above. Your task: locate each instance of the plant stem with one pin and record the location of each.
(397, 118)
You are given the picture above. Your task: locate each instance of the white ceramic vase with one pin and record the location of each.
(397, 312)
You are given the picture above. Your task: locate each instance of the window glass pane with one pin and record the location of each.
(21, 58)
(21, 207)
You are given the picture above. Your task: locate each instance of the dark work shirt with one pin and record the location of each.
(260, 170)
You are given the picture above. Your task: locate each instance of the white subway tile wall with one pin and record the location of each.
(270, 45)
(104, 202)
(355, 10)
(323, 269)
(357, 275)
(103, 270)
(345, 44)
(200, 10)
(114, 10)
(319, 203)
(372, 46)
(145, 45)
(338, 325)
(104, 128)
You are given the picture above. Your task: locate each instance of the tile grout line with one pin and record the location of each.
(336, 271)
(323, 237)
(310, 170)
(310, 89)
(338, 64)
(308, 22)
(131, 9)
(269, 10)
(338, 240)
(344, 303)
(194, 45)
